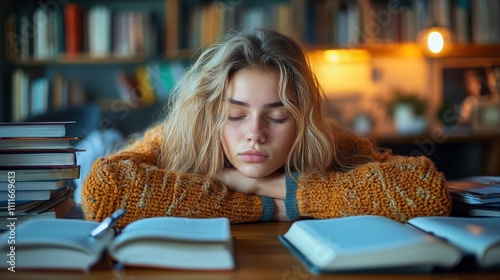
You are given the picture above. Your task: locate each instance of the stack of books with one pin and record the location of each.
(476, 196)
(36, 161)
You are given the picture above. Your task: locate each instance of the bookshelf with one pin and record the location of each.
(383, 28)
(371, 24)
(91, 74)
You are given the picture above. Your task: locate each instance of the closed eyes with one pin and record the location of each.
(274, 120)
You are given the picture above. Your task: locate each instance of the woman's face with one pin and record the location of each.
(259, 132)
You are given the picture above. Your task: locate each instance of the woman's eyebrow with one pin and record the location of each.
(244, 104)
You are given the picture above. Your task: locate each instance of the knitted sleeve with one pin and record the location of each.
(399, 188)
(132, 179)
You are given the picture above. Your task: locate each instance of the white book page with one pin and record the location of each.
(472, 235)
(178, 228)
(362, 242)
(72, 234)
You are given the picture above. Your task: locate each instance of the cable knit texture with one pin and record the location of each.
(399, 188)
(394, 186)
(133, 179)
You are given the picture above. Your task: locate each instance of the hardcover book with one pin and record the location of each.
(162, 242)
(476, 190)
(38, 157)
(378, 244)
(33, 129)
(40, 173)
(14, 143)
(476, 196)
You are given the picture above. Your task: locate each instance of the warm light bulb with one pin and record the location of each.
(435, 42)
(346, 55)
(332, 56)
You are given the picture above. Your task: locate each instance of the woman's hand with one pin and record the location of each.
(272, 186)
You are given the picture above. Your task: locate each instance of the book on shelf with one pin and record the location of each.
(38, 206)
(162, 242)
(40, 173)
(33, 129)
(11, 50)
(73, 28)
(36, 142)
(32, 97)
(46, 41)
(21, 218)
(27, 195)
(39, 96)
(38, 157)
(99, 25)
(34, 209)
(20, 192)
(378, 244)
(20, 97)
(33, 185)
(36, 161)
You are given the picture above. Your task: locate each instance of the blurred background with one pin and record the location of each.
(420, 77)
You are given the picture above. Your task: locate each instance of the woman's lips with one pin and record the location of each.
(253, 156)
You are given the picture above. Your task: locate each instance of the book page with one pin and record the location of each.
(49, 243)
(476, 190)
(72, 234)
(175, 242)
(475, 236)
(367, 242)
(189, 229)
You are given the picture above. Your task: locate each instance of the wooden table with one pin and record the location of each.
(259, 255)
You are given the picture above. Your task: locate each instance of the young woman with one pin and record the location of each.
(246, 137)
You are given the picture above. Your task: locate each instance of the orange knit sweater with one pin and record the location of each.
(394, 186)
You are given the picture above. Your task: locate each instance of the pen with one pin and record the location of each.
(107, 223)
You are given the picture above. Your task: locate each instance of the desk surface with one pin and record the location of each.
(259, 255)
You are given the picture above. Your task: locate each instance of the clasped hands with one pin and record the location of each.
(272, 186)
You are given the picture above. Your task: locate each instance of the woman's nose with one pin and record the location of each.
(256, 131)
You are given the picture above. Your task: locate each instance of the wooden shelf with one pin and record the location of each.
(415, 50)
(448, 137)
(395, 50)
(80, 59)
(473, 50)
(179, 54)
(407, 50)
(379, 50)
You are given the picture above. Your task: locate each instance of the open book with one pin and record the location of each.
(476, 196)
(163, 242)
(476, 190)
(375, 243)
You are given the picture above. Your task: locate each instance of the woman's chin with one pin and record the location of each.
(255, 173)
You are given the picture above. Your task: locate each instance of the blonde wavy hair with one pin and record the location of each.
(198, 110)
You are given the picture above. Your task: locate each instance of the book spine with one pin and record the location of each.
(73, 28)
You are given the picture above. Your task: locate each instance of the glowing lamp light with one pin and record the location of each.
(332, 56)
(435, 40)
(346, 55)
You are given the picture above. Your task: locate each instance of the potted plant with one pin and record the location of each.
(408, 112)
